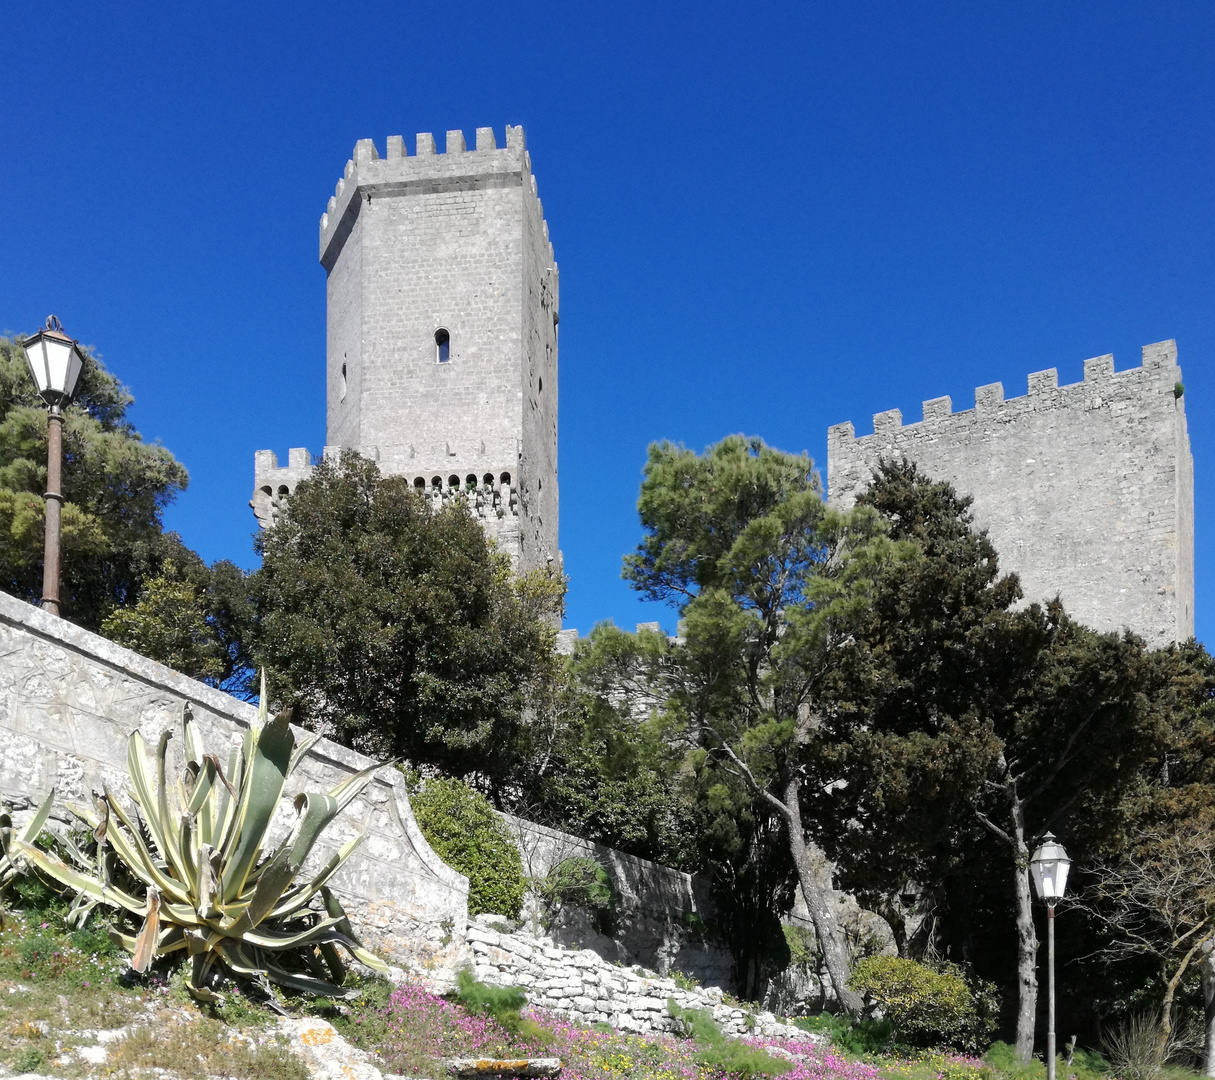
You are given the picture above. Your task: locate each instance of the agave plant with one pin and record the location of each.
(11, 864)
(201, 880)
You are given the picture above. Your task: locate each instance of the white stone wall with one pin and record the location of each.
(69, 700)
(1086, 490)
(584, 986)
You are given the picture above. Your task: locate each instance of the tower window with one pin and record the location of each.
(442, 346)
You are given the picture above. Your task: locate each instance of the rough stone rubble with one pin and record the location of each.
(583, 986)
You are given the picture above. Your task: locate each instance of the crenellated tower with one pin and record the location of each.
(1086, 490)
(442, 302)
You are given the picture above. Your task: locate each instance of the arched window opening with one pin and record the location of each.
(283, 491)
(488, 479)
(470, 482)
(419, 483)
(268, 491)
(453, 481)
(436, 482)
(442, 346)
(504, 479)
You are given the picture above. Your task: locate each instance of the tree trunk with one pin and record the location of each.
(1207, 971)
(1027, 940)
(809, 860)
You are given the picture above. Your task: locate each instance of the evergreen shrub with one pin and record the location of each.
(460, 824)
(928, 1007)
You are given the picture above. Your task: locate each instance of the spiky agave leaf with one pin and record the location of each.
(210, 886)
(10, 865)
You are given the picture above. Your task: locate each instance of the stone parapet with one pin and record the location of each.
(69, 701)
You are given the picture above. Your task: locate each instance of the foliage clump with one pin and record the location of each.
(398, 628)
(858, 1037)
(460, 824)
(927, 1006)
(720, 1054)
(581, 882)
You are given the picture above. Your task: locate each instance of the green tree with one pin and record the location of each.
(621, 773)
(398, 629)
(115, 485)
(766, 579)
(957, 717)
(607, 769)
(198, 620)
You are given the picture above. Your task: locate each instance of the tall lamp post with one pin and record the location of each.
(1049, 866)
(54, 361)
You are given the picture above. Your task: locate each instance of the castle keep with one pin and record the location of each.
(442, 302)
(1087, 490)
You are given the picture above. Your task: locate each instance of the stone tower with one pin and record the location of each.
(442, 303)
(1087, 490)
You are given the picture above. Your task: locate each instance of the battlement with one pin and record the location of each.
(458, 167)
(1101, 381)
(1086, 489)
(491, 493)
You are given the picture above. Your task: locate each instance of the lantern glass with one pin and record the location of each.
(55, 363)
(1049, 867)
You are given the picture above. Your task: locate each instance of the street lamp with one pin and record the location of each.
(1048, 867)
(54, 361)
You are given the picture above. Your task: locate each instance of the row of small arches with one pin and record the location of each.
(453, 482)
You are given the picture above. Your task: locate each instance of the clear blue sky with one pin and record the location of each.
(769, 217)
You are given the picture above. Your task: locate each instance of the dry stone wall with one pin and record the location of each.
(69, 701)
(585, 987)
(1086, 490)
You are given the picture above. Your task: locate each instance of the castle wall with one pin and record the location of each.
(1086, 490)
(69, 701)
(344, 344)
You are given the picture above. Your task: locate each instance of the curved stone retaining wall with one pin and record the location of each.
(70, 699)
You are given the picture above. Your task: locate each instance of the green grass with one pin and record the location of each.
(55, 983)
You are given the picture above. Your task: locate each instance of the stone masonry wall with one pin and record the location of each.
(584, 986)
(69, 701)
(1086, 490)
(659, 913)
(454, 241)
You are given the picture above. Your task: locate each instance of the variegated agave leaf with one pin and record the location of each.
(208, 884)
(11, 862)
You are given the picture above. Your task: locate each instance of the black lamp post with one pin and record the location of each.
(1048, 867)
(55, 362)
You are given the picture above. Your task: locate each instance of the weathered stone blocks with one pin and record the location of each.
(1086, 490)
